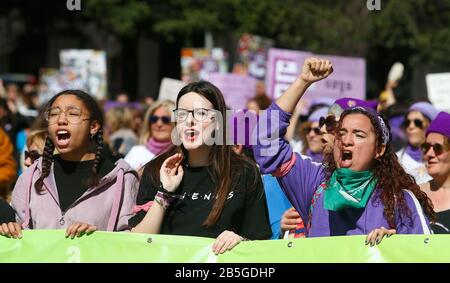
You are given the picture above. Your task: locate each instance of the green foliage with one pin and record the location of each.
(121, 16)
(416, 30)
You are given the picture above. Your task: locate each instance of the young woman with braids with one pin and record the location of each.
(361, 189)
(76, 189)
(202, 187)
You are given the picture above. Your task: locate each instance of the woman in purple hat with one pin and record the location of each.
(436, 151)
(415, 125)
(355, 191)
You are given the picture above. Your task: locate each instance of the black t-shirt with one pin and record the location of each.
(71, 177)
(245, 211)
(6, 212)
(442, 225)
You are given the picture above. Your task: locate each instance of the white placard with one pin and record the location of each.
(438, 87)
(169, 89)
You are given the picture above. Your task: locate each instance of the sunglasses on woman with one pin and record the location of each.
(154, 119)
(32, 154)
(329, 122)
(315, 130)
(437, 148)
(417, 122)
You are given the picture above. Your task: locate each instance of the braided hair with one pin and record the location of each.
(47, 159)
(95, 177)
(95, 115)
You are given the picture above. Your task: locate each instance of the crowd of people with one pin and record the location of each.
(180, 167)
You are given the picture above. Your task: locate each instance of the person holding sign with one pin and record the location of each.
(361, 189)
(202, 187)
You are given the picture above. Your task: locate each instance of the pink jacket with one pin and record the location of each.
(108, 206)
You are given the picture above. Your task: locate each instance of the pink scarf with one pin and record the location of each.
(157, 147)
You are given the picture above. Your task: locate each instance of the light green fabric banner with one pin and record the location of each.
(51, 246)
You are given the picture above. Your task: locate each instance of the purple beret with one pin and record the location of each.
(348, 102)
(315, 116)
(440, 125)
(425, 108)
(372, 104)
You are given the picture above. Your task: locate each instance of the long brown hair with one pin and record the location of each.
(391, 176)
(226, 165)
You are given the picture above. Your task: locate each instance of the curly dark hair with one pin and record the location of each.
(389, 189)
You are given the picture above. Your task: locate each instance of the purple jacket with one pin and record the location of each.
(300, 177)
(108, 206)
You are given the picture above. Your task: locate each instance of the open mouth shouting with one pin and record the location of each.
(190, 134)
(346, 159)
(62, 138)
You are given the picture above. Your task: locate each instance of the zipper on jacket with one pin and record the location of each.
(61, 220)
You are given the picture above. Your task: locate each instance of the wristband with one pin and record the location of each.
(162, 202)
(163, 190)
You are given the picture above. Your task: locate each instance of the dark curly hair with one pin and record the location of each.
(95, 115)
(389, 189)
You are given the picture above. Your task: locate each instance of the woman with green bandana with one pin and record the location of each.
(360, 189)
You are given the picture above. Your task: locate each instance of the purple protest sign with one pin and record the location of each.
(236, 89)
(347, 80)
(283, 68)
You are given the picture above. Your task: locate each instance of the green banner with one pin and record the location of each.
(45, 246)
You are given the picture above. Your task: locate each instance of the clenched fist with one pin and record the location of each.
(315, 69)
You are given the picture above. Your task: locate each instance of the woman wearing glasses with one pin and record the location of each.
(436, 152)
(416, 122)
(155, 136)
(202, 187)
(77, 190)
(361, 190)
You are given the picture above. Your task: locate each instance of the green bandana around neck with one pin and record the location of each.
(349, 189)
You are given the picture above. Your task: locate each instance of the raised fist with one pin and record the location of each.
(315, 69)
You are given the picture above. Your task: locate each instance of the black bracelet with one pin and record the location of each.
(161, 189)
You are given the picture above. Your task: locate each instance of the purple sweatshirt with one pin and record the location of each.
(300, 177)
(108, 206)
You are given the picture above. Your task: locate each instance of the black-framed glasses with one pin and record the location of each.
(165, 119)
(437, 148)
(329, 122)
(417, 122)
(32, 154)
(199, 114)
(316, 131)
(73, 115)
